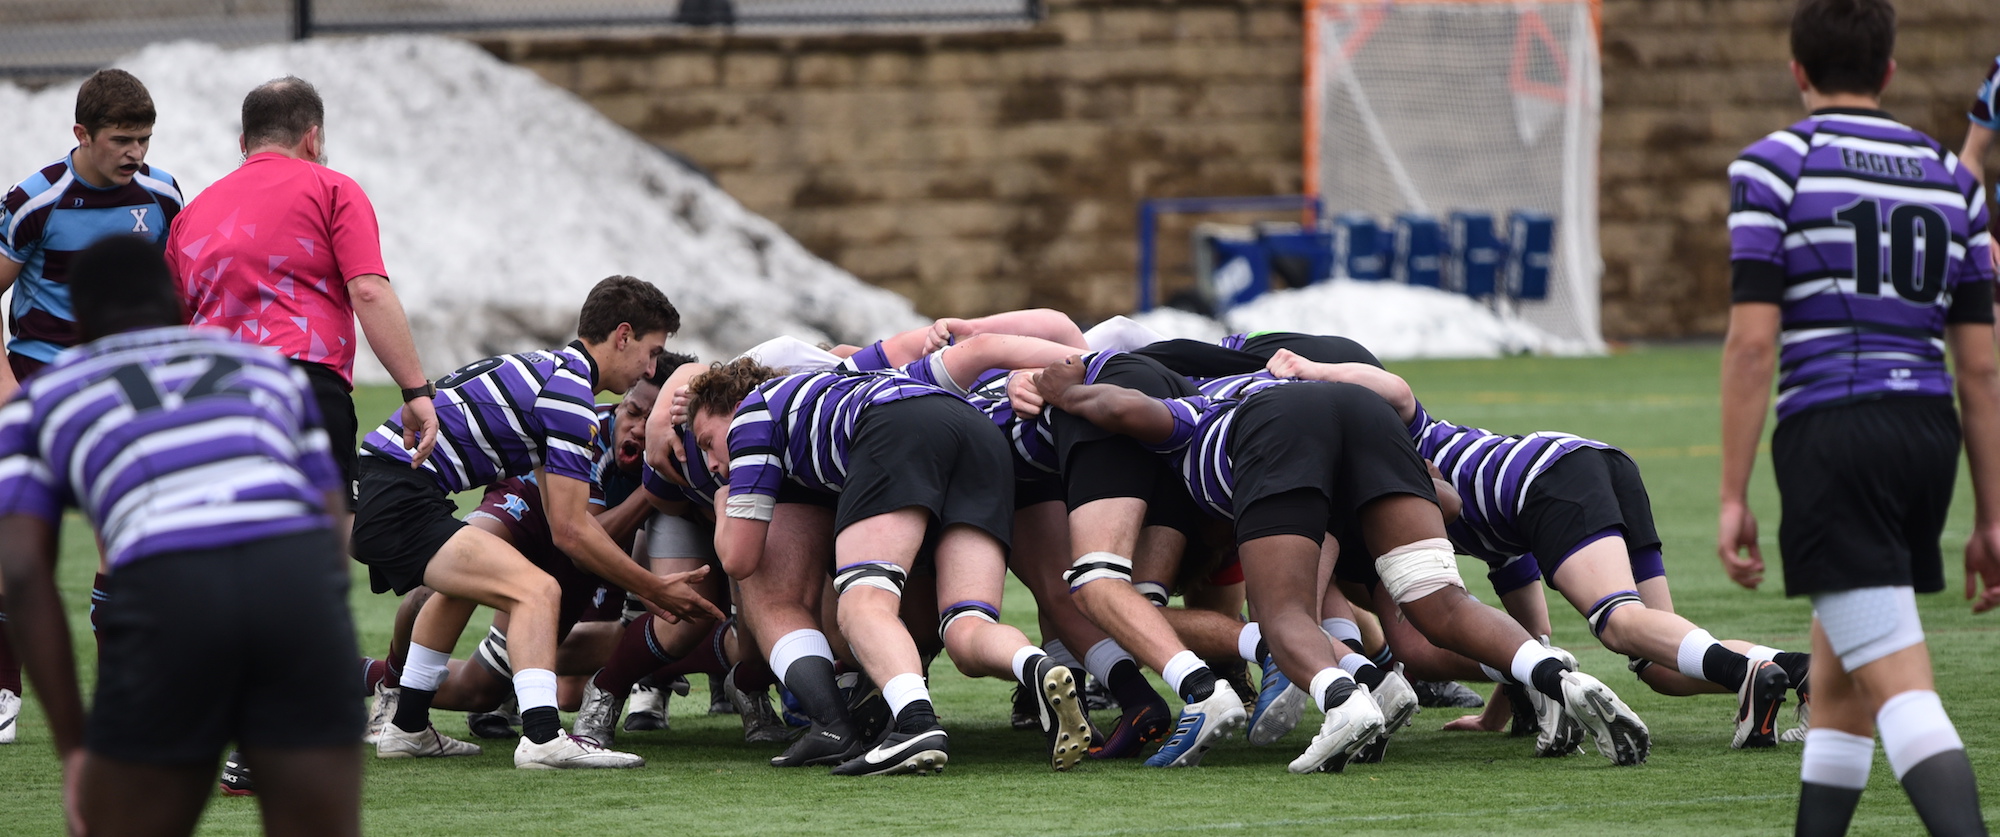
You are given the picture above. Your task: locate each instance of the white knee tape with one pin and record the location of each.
(1868, 624)
(1154, 592)
(1416, 570)
(1095, 566)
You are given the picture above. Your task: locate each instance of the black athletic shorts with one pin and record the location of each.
(1197, 359)
(401, 520)
(1341, 440)
(336, 411)
(1587, 491)
(1098, 464)
(250, 643)
(1035, 489)
(1865, 488)
(1319, 348)
(936, 452)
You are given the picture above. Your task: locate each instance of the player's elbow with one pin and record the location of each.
(370, 290)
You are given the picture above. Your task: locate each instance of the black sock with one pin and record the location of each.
(1796, 665)
(1725, 667)
(1130, 687)
(1825, 810)
(1370, 676)
(916, 717)
(1198, 686)
(1263, 652)
(1384, 658)
(810, 680)
(1945, 794)
(1547, 677)
(541, 724)
(1337, 693)
(413, 709)
(1355, 646)
(1034, 683)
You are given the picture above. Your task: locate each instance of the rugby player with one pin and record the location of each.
(203, 466)
(505, 416)
(1859, 255)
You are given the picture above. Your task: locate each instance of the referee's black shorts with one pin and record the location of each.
(1865, 488)
(250, 643)
(336, 410)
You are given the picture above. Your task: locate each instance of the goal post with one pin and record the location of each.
(1432, 106)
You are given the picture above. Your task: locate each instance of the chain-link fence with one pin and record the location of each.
(51, 38)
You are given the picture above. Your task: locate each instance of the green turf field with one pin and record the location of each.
(1659, 404)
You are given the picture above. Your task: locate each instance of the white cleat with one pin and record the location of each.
(571, 752)
(381, 713)
(427, 743)
(597, 716)
(1621, 736)
(1397, 700)
(1346, 729)
(10, 715)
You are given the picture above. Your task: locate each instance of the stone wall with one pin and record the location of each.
(982, 171)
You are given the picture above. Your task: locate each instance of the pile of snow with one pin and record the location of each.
(1394, 321)
(502, 198)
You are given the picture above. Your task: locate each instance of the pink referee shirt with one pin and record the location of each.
(267, 253)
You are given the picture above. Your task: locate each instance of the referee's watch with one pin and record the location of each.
(426, 391)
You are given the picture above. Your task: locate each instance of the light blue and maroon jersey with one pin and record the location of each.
(1491, 474)
(46, 219)
(168, 439)
(1986, 106)
(1863, 230)
(504, 417)
(799, 427)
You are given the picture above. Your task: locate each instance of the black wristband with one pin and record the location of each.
(427, 390)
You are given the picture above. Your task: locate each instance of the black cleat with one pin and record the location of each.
(900, 752)
(1446, 693)
(821, 746)
(1024, 717)
(236, 776)
(1757, 704)
(1525, 720)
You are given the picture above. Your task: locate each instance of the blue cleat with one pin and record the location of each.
(1279, 707)
(1201, 725)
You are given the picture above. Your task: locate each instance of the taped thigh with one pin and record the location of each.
(1413, 571)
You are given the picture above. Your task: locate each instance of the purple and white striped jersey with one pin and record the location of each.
(1029, 437)
(1491, 474)
(1199, 449)
(1234, 386)
(798, 427)
(504, 417)
(168, 439)
(1870, 228)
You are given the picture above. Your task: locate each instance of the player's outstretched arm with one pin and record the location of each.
(1978, 381)
(1392, 387)
(1109, 406)
(1041, 323)
(1749, 356)
(40, 630)
(978, 354)
(578, 535)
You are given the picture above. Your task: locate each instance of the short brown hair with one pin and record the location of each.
(281, 111)
(725, 385)
(623, 299)
(113, 98)
(1844, 45)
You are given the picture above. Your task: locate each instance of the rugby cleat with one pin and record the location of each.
(380, 714)
(821, 746)
(1397, 700)
(1557, 731)
(1346, 729)
(1135, 729)
(868, 710)
(571, 752)
(1279, 706)
(646, 707)
(236, 776)
(761, 724)
(718, 696)
(1059, 713)
(1024, 715)
(1096, 695)
(1757, 703)
(10, 714)
(426, 743)
(597, 716)
(1201, 725)
(900, 752)
(1802, 713)
(1446, 693)
(1524, 720)
(1620, 735)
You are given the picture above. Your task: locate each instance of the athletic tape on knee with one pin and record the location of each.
(492, 653)
(1600, 613)
(1836, 759)
(877, 574)
(966, 610)
(1868, 624)
(1154, 592)
(1914, 727)
(1413, 571)
(1096, 566)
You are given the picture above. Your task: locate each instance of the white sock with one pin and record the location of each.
(1340, 629)
(1246, 642)
(1022, 656)
(1836, 759)
(1913, 728)
(1763, 652)
(1352, 662)
(1102, 657)
(1694, 647)
(1496, 675)
(903, 690)
(1529, 655)
(534, 688)
(1323, 681)
(1179, 667)
(425, 668)
(804, 642)
(1060, 653)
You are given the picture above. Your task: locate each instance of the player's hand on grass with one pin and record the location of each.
(1982, 568)
(1736, 545)
(676, 598)
(1021, 393)
(420, 429)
